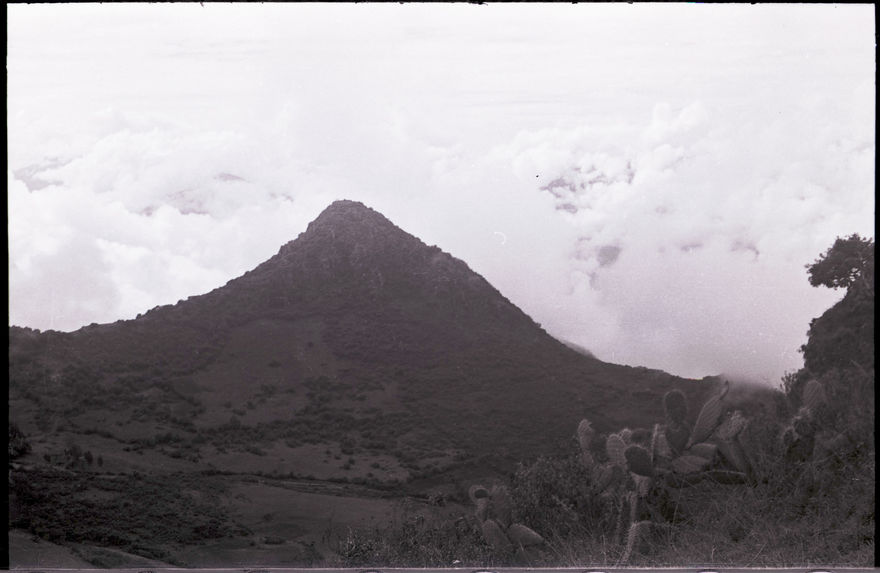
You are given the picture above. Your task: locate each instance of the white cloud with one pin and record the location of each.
(705, 224)
(692, 158)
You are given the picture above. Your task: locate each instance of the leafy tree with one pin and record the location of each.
(846, 263)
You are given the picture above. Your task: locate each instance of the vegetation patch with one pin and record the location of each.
(138, 514)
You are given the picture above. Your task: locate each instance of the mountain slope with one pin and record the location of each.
(356, 336)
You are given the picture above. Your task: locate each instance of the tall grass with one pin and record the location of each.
(413, 539)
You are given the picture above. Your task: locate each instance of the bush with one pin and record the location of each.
(552, 496)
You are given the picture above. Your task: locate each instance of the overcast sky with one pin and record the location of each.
(647, 181)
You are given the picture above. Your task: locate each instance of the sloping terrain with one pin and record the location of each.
(356, 354)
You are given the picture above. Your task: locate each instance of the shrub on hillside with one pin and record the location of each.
(554, 496)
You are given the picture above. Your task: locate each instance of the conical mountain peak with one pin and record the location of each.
(349, 219)
(345, 212)
(348, 225)
(353, 254)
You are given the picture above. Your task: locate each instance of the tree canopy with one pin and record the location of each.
(849, 261)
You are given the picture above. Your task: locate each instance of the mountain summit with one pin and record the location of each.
(355, 336)
(349, 229)
(352, 258)
(346, 220)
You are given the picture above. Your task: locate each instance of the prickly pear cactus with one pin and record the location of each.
(661, 452)
(638, 461)
(615, 446)
(585, 436)
(710, 416)
(494, 513)
(657, 462)
(810, 436)
(678, 432)
(690, 454)
(729, 445)
(607, 477)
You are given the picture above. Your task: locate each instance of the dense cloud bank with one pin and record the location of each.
(645, 181)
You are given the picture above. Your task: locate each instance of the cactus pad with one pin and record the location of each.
(615, 447)
(607, 475)
(523, 536)
(643, 485)
(733, 452)
(637, 540)
(495, 537)
(814, 394)
(704, 450)
(688, 464)
(585, 435)
(482, 511)
(588, 460)
(476, 492)
(675, 406)
(638, 461)
(732, 426)
(500, 505)
(677, 436)
(709, 416)
(641, 436)
(660, 449)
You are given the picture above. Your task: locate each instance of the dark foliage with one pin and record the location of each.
(847, 263)
(131, 512)
(839, 351)
(18, 444)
